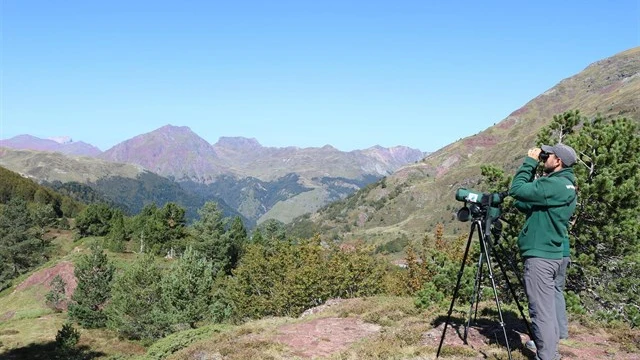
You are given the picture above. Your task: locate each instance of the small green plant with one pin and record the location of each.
(633, 315)
(428, 296)
(573, 303)
(172, 343)
(56, 297)
(608, 317)
(66, 340)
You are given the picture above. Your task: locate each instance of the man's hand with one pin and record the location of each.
(534, 153)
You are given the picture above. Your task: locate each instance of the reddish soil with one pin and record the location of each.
(323, 337)
(507, 124)
(44, 277)
(480, 141)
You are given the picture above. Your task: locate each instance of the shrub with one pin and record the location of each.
(66, 340)
(56, 297)
(428, 296)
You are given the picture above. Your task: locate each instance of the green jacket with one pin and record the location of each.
(549, 203)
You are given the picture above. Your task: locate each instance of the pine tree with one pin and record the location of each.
(160, 230)
(257, 237)
(94, 220)
(44, 215)
(136, 307)
(117, 233)
(273, 231)
(173, 221)
(210, 239)
(21, 246)
(94, 273)
(186, 289)
(237, 235)
(606, 229)
(66, 343)
(57, 295)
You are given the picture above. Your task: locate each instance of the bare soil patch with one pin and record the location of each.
(45, 276)
(323, 337)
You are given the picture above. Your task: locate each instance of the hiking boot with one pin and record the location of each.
(531, 345)
(557, 357)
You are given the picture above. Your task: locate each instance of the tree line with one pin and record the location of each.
(210, 271)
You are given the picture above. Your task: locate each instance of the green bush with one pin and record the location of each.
(428, 296)
(633, 315)
(66, 340)
(573, 303)
(175, 342)
(56, 296)
(394, 246)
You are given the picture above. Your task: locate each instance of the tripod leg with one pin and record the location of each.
(455, 291)
(511, 262)
(513, 293)
(475, 297)
(485, 249)
(479, 295)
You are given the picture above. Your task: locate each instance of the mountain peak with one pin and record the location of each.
(61, 139)
(169, 150)
(61, 144)
(170, 127)
(238, 142)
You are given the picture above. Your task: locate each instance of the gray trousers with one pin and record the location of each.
(561, 307)
(539, 280)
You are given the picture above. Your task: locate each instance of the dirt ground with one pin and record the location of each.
(45, 276)
(323, 337)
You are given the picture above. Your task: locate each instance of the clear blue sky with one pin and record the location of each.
(352, 74)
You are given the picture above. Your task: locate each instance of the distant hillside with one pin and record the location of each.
(52, 166)
(61, 145)
(259, 182)
(411, 201)
(172, 151)
(246, 157)
(179, 153)
(126, 186)
(14, 185)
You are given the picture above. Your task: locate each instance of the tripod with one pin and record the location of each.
(485, 247)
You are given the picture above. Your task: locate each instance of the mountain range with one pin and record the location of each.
(247, 179)
(62, 144)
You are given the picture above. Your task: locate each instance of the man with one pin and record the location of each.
(548, 203)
